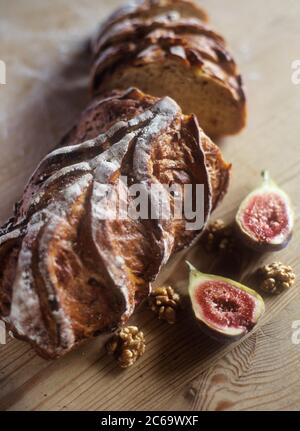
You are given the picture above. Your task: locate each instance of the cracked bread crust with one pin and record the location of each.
(136, 29)
(151, 8)
(123, 105)
(66, 272)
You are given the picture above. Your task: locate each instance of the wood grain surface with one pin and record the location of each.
(43, 45)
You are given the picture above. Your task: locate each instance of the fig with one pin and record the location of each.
(226, 310)
(265, 218)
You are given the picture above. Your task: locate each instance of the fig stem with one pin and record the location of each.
(191, 267)
(266, 176)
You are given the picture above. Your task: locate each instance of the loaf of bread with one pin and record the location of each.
(67, 271)
(169, 49)
(70, 269)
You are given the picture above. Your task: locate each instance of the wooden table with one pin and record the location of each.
(41, 43)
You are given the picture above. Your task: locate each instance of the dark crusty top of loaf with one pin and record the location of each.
(138, 41)
(151, 8)
(123, 105)
(137, 28)
(66, 274)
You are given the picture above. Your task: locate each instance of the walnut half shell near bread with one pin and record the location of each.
(67, 273)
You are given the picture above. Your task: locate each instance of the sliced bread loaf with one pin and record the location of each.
(176, 56)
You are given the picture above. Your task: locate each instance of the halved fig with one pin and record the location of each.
(227, 310)
(265, 218)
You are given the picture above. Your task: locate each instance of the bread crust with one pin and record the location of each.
(66, 273)
(136, 29)
(150, 8)
(123, 105)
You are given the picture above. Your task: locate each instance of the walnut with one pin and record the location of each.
(164, 301)
(219, 238)
(127, 345)
(276, 278)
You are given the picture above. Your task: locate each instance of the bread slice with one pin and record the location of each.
(183, 58)
(68, 269)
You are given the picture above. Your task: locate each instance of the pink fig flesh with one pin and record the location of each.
(225, 307)
(265, 219)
